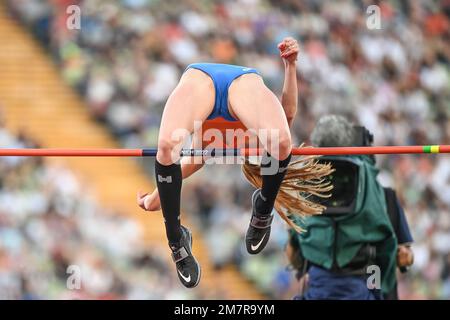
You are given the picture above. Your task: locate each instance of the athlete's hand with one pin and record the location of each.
(289, 50)
(149, 202)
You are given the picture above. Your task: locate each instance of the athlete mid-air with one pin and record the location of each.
(235, 93)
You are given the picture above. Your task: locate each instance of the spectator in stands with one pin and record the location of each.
(394, 81)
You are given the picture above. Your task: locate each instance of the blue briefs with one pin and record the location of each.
(222, 75)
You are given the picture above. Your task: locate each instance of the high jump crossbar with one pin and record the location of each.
(151, 152)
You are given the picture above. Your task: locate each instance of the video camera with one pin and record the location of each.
(345, 177)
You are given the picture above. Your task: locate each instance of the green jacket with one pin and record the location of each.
(340, 238)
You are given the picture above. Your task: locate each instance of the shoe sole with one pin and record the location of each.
(198, 264)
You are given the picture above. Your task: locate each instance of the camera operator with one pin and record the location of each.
(363, 226)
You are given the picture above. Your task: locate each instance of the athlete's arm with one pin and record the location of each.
(188, 168)
(289, 50)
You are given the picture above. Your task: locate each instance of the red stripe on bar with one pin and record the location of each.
(71, 152)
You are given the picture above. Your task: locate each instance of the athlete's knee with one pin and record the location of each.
(166, 148)
(285, 145)
(281, 147)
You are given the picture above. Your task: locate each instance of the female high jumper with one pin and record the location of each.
(207, 91)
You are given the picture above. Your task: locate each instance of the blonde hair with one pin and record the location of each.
(304, 177)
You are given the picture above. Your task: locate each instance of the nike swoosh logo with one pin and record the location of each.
(246, 69)
(254, 248)
(187, 279)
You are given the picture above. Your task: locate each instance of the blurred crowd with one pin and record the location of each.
(129, 54)
(50, 244)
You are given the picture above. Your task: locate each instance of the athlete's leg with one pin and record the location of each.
(192, 100)
(259, 109)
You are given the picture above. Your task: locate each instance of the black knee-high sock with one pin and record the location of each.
(271, 182)
(169, 180)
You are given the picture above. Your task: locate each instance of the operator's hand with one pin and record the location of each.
(289, 50)
(405, 256)
(149, 202)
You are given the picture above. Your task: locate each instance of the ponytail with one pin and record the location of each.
(304, 177)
